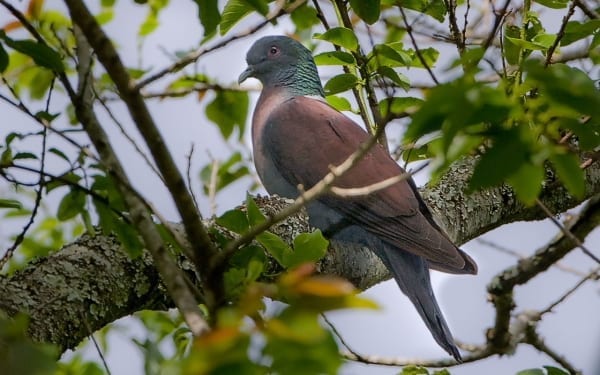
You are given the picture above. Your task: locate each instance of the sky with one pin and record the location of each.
(395, 330)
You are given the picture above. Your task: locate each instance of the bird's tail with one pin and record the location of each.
(412, 275)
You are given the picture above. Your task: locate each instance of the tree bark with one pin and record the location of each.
(92, 282)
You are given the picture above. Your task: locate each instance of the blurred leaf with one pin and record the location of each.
(24, 155)
(41, 54)
(233, 12)
(551, 370)
(387, 56)
(149, 25)
(255, 216)
(10, 203)
(226, 173)
(506, 155)
(275, 246)
(565, 86)
(568, 170)
(260, 6)
(554, 4)
(221, 351)
(298, 345)
(533, 371)
(71, 205)
(414, 370)
(340, 83)
(397, 106)
(367, 10)
(234, 220)
(398, 78)
(334, 58)
(3, 59)
(208, 12)
(432, 8)
(527, 182)
(340, 36)
(304, 17)
(338, 102)
(20, 355)
(308, 247)
(577, 30)
(229, 110)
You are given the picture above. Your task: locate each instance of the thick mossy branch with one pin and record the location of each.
(93, 279)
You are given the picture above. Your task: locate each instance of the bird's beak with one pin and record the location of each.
(249, 72)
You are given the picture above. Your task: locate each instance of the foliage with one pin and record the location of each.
(527, 126)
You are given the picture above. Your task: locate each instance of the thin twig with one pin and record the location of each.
(416, 47)
(561, 33)
(592, 275)
(378, 186)
(194, 56)
(566, 231)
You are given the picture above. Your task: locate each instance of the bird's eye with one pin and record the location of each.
(273, 51)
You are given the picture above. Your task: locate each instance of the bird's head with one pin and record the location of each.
(280, 61)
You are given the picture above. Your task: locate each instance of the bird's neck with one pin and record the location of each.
(298, 80)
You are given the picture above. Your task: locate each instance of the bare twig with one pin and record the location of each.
(416, 46)
(373, 188)
(194, 56)
(566, 231)
(561, 33)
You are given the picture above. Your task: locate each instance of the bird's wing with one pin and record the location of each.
(305, 136)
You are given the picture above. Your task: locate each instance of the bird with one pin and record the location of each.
(297, 136)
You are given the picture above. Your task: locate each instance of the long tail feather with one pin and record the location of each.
(412, 275)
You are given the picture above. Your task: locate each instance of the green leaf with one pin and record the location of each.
(338, 102)
(367, 10)
(227, 173)
(234, 220)
(532, 371)
(20, 355)
(260, 6)
(398, 106)
(340, 36)
(554, 4)
(276, 247)
(414, 370)
(555, 370)
(304, 17)
(398, 78)
(526, 44)
(208, 12)
(568, 171)
(229, 110)
(71, 205)
(386, 55)
(255, 216)
(3, 59)
(299, 345)
(233, 12)
(334, 58)
(433, 8)
(308, 247)
(527, 182)
(10, 203)
(41, 54)
(565, 86)
(500, 161)
(339, 83)
(576, 30)
(149, 25)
